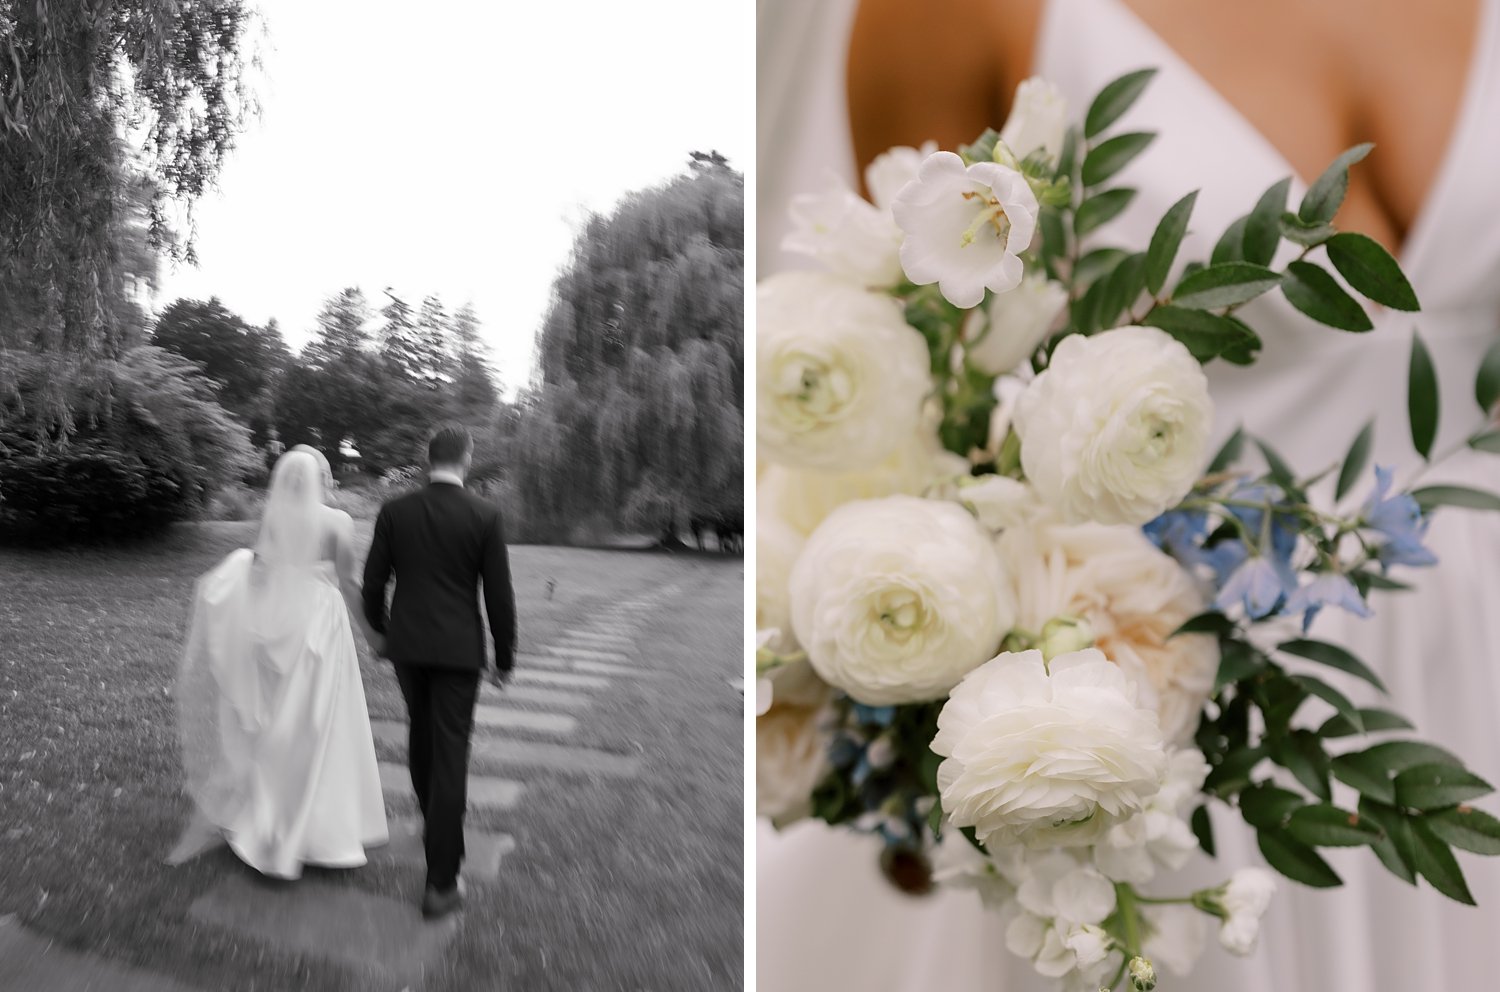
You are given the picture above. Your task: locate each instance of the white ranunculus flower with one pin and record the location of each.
(848, 234)
(1005, 333)
(1114, 430)
(965, 227)
(840, 376)
(1132, 595)
(790, 760)
(1245, 899)
(1046, 753)
(893, 169)
(894, 600)
(1038, 119)
(803, 498)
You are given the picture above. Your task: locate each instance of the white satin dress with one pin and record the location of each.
(278, 753)
(826, 919)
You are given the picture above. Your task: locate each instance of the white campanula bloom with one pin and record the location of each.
(965, 227)
(1115, 429)
(894, 600)
(840, 376)
(1046, 754)
(1038, 119)
(1005, 333)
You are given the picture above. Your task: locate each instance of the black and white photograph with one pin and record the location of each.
(372, 495)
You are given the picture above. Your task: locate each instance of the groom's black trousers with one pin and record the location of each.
(440, 704)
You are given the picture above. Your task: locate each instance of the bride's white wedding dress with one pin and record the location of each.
(826, 919)
(277, 749)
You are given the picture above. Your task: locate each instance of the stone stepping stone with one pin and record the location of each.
(31, 961)
(536, 696)
(349, 926)
(501, 718)
(571, 680)
(556, 757)
(485, 792)
(605, 668)
(589, 653)
(483, 850)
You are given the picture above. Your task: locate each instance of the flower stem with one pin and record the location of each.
(1126, 898)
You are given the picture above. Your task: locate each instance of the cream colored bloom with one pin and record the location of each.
(790, 760)
(840, 376)
(1002, 335)
(1038, 119)
(965, 227)
(777, 546)
(849, 235)
(1115, 429)
(1132, 596)
(1046, 754)
(894, 600)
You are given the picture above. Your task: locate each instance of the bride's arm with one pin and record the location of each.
(348, 569)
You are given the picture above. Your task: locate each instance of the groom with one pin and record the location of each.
(440, 543)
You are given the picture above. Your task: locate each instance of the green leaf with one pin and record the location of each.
(1433, 786)
(1068, 157)
(1209, 622)
(1244, 349)
(1373, 719)
(1422, 397)
(1230, 246)
(1238, 661)
(1328, 826)
(1396, 850)
(983, 148)
(1266, 806)
(1487, 382)
(1332, 696)
(1054, 233)
(1378, 581)
(1224, 285)
(1356, 460)
(1109, 157)
(1306, 235)
(1429, 497)
(1205, 335)
(1096, 265)
(1313, 291)
(1466, 828)
(1166, 240)
(1303, 756)
(1233, 773)
(1488, 442)
(1263, 227)
(1333, 656)
(1367, 774)
(1296, 860)
(1435, 862)
(1229, 453)
(1203, 829)
(1114, 100)
(1276, 466)
(1371, 270)
(1100, 209)
(1325, 195)
(1401, 755)
(1121, 289)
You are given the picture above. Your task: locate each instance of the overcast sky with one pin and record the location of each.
(450, 147)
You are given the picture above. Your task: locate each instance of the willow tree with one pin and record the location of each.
(637, 417)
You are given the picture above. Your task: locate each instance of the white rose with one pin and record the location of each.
(1004, 334)
(966, 227)
(1046, 754)
(1245, 899)
(1132, 595)
(1038, 119)
(849, 235)
(1114, 430)
(790, 760)
(895, 600)
(777, 546)
(840, 375)
(802, 498)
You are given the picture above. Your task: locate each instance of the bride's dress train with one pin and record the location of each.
(827, 919)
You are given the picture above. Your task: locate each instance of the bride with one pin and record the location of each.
(276, 742)
(1245, 95)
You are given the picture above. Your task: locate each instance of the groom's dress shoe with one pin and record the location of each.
(436, 905)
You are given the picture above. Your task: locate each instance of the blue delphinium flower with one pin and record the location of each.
(1259, 584)
(881, 716)
(1180, 533)
(1328, 589)
(1400, 521)
(1284, 526)
(1224, 558)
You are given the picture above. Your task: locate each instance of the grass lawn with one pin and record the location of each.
(628, 884)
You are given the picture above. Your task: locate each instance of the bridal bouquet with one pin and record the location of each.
(1015, 617)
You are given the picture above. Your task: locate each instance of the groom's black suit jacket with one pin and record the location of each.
(440, 542)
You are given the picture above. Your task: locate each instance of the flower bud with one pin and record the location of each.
(1064, 635)
(1142, 975)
